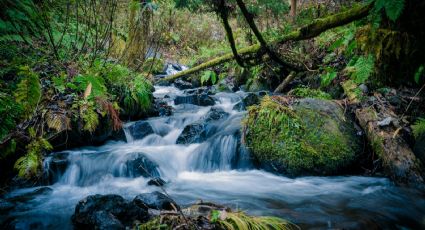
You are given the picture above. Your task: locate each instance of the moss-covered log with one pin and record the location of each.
(397, 157)
(312, 30)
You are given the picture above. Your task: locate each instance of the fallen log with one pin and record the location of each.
(398, 159)
(381, 126)
(312, 30)
(285, 82)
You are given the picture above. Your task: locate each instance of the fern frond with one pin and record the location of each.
(90, 118)
(393, 8)
(361, 69)
(30, 164)
(58, 121)
(419, 128)
(28, 92)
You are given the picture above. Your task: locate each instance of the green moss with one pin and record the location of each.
(297, 141)
(307, 92)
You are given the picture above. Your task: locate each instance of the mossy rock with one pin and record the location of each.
(301, 137)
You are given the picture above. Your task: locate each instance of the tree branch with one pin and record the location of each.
(312, 30)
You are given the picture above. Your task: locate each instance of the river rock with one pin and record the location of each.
(162, 109)
(307, 137)
(192, 133)
(251, 99)
(107, 212)
(155, 200)
(215, 114)
(140, 129)
(182, 85)
(5, 206)
(142, 166)
(199, 131)
(197, 99)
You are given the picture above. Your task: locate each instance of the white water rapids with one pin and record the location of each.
(217, 170)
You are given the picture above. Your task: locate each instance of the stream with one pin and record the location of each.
(218, 169)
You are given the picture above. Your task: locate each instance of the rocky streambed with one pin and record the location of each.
(196, 151)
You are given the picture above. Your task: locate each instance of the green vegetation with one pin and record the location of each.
(300, 141)
(419, 127)
(307, 92)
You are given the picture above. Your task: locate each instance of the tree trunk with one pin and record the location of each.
(293, 10)
(139, 27)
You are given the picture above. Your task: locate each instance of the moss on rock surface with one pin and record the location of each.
(302, 137)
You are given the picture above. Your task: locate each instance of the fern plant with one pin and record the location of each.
(361, 68)
(9, 114)
(419, 128)
(30, 164)
(28, 92)
(209, 75)
(393, 8)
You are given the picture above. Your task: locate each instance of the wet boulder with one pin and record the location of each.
(182, 85)
(5, 206)
(140, 129)
(301, 137)
(251, 99)
(155, 200)
(196, 99)
(193, 133)
(162, 109)
(142, 166)
(199, 131)
(107, 212)
(215, 114)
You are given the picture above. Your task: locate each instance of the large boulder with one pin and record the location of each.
(142, 166)
(193, 133)
(199, 131)
(140, 129)
(107, 212)
(301, 137)
(196, 99)
(155, 200)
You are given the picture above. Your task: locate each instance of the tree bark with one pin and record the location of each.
(293, 10)
(315, 28)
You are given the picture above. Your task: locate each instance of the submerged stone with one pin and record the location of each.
(140, 129)
(107, 212)
(155, 200)
(307, 137)
(142, 166)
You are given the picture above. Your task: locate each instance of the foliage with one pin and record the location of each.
(29, 165)
(10, 113)
(361, 68)
(419, 128)
(240, 221)
(393, 8)
(419, 74)
(328, 77)
(301, 141)
(28, 92)
(307, 92)
(209, 75)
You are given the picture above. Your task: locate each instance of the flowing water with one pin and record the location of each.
(219, 170)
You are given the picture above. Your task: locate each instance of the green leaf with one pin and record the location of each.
(328, 78)
(419, 73)
(28, 92)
